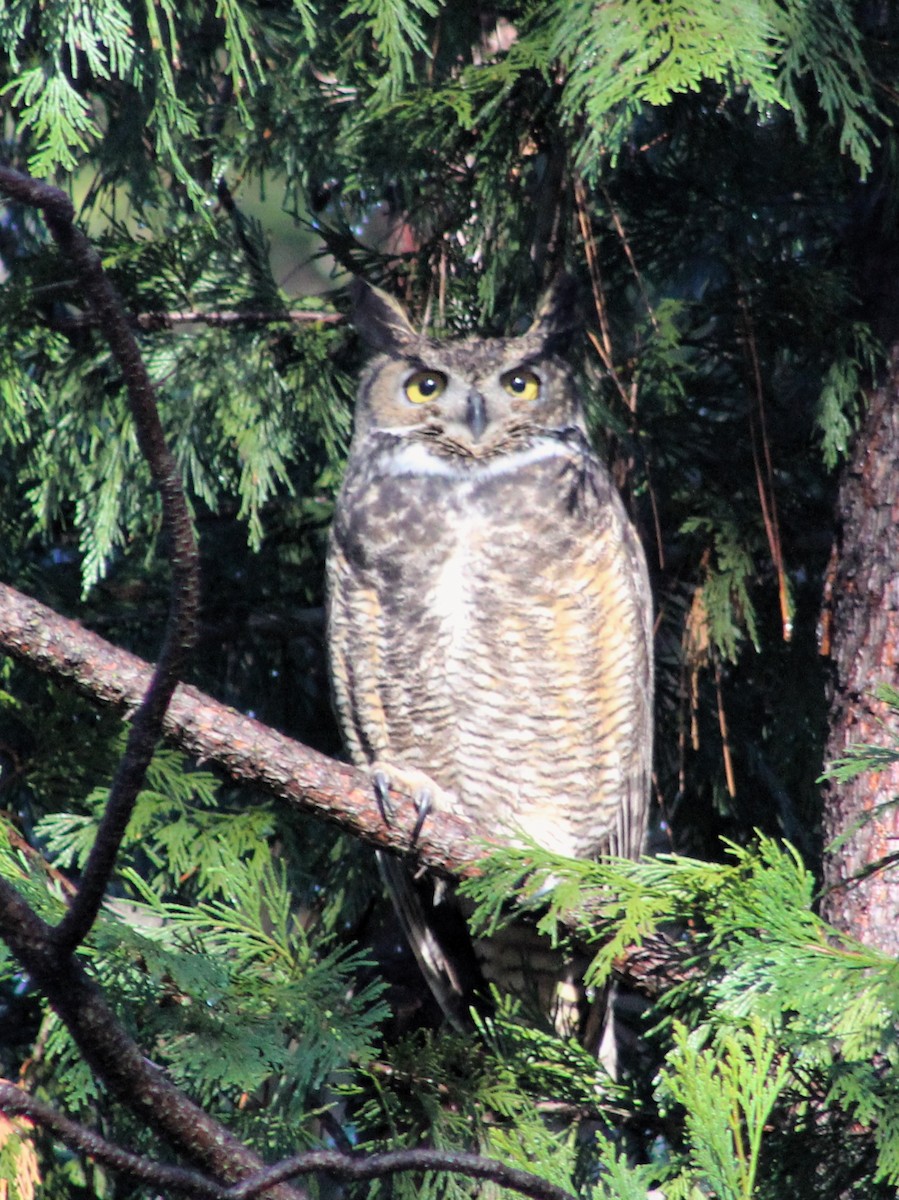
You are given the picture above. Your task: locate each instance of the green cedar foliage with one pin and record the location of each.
(698, 168)
(216, 955)
(779, 1033)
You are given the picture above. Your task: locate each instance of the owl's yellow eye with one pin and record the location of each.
(424, 386)
(523, 384)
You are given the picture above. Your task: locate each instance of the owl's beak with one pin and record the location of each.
(476, 414)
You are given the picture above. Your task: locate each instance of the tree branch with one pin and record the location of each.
(184, 596)
(377, 1166)
(246, 750)
(153, 321)
(252, 753)
(48, 954)
(15, 1101)
(113, 1056)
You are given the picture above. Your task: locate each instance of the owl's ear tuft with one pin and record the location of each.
(558, 317)
(380, 319)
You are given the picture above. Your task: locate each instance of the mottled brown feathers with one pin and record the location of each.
(490, 620)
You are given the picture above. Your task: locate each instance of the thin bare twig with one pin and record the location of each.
(603, 343)
(152, 321)
(629, 254)
(765, 484)
(392, 1162)
(729, 776)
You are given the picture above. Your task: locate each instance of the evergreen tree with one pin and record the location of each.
(721, 181)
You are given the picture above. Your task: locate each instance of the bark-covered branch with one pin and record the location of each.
(244, 749)
(113, 1056)
(251, 753)
(153, 321)
(377, 1166)
(15, 1101)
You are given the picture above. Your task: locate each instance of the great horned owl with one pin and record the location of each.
(490, 619)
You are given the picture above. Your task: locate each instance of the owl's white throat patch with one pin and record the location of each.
(453, 596)
(416, 458)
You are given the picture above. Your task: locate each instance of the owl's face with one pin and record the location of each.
(473, 398)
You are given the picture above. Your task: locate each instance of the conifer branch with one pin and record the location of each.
(113, 1056)
(337, 1165)
(252, 753)
(184, 596)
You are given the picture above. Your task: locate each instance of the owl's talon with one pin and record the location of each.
(427, 796)
(381, 784)
(424, 802)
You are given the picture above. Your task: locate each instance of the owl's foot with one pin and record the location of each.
(428, 796)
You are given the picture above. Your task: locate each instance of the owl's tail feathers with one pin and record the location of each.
(614, 1031)
(550, 982)
(458, 969)
(522, 962)
(439, 938)
(602, 1031)
(517, 960)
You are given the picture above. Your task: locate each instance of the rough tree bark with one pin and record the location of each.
(862, 896)
(219, 737)
(251, 753)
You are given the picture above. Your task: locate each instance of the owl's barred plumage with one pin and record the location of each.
(490, 621)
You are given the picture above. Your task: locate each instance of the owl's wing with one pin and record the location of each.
(631, 650)
(356, 656)
(571, 658)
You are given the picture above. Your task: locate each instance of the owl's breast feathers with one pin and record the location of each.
(490, 624)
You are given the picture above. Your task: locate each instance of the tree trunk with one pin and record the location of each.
(861, 899)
